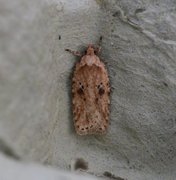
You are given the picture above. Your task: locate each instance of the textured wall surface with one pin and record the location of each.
(139, 42)
(11, 170)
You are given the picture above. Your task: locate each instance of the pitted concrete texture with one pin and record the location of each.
(13, 170)
(139, 42)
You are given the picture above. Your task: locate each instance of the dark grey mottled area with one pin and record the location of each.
(139, 43)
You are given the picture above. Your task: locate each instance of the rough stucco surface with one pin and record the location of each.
(11, 170)
(35, 78)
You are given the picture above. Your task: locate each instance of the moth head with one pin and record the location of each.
(90, 50)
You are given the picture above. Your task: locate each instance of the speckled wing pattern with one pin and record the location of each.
(90, 90)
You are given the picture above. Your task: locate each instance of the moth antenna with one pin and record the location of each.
(75, 53)
(98, 46)
(100, 40)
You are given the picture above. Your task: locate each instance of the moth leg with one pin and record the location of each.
(75, 53)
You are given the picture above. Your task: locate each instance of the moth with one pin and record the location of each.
(90, 93)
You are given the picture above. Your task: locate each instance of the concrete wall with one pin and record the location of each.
(139, 42)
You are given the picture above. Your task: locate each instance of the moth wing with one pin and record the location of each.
(91, 101)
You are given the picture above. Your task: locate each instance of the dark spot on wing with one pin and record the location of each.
(80, 91)
(101, 91)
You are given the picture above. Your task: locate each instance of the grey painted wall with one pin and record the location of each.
(35, 83)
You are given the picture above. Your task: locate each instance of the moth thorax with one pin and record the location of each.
(90, 60)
